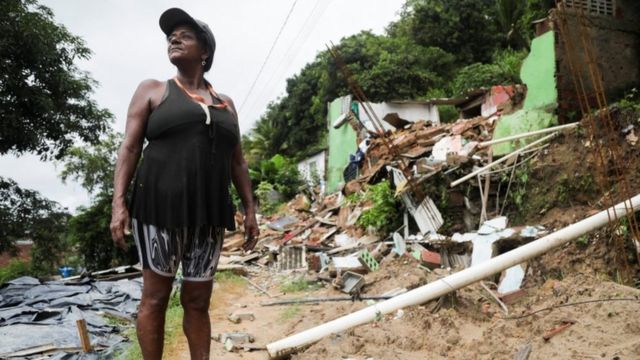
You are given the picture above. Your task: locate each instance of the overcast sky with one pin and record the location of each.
(128, 46)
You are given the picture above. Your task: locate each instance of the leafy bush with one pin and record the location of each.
(280, 172)
(264, 192)
(631, 100)
(504, 70)
(383, 215)
(14, 269)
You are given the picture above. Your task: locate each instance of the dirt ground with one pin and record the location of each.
(467, 326)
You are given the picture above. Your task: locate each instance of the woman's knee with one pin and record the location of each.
(195, 301)
(154, 302)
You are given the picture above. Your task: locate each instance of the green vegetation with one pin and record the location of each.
(278, 180)
(582, 241)
(290, 312)
(15, 269)
(298, 284)
(631, 100)
(228, 277)
(382, 216)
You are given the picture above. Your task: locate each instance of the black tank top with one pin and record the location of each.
(185, 173)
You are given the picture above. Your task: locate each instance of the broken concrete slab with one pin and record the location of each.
(238, 316)
(283, 223)
(399, 245)
(512, 279)
(346, 262)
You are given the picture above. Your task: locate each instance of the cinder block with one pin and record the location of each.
(431, 259)
(368, 260)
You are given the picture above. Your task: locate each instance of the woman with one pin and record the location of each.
(180, 204)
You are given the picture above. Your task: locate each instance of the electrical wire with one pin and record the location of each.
(303, 34)
(275, 41)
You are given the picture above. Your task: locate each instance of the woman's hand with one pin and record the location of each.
(251, 232)
(120, 225)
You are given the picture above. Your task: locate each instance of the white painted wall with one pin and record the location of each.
(411, 112)
(317, 162)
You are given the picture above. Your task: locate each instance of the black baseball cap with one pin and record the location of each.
(174, 17)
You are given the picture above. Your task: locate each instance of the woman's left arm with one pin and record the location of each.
(242, 182)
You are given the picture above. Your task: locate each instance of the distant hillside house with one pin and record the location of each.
(24, 253)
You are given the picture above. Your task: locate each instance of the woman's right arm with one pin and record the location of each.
(128, 156)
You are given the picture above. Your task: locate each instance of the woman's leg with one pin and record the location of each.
(156, 290)
(195, 298)
(199, 263)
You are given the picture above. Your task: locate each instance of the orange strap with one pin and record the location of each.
(223, 104)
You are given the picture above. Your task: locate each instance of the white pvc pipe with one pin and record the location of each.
(527, 134)
(452, 282)
(501, 160)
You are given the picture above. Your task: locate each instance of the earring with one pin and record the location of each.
(204, 63)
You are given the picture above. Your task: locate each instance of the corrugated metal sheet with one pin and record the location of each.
(426, 214)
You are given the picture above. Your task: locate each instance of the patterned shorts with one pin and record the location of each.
(162, 250)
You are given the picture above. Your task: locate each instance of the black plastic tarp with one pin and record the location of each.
(34, 314)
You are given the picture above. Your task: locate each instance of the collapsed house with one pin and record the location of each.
(499, 129)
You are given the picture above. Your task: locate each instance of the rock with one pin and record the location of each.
(453, 339)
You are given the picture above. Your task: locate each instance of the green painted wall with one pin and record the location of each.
(342, 142)
(538, 72)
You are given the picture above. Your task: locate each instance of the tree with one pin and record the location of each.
(27, 214)
(93, 166)
(463, 27)
(45, 103)
(509, 16)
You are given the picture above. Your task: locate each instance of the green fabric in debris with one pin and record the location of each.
(342, 142)
(538, 73)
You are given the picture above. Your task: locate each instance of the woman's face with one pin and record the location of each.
(183, 46)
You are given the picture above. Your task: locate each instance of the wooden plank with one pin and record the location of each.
(30, 351)
(85, 340)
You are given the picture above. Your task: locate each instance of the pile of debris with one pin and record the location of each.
(321, 234)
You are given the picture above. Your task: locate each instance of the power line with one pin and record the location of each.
(307, 28)
(275, 41)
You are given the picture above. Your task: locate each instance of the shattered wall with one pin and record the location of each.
(342, 142)
(616, 41)
(408, 110)
(538, 112)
